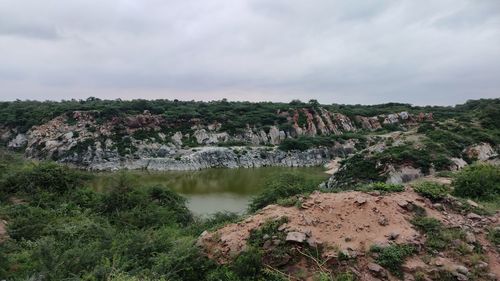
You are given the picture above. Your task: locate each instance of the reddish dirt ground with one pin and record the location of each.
(351, 222)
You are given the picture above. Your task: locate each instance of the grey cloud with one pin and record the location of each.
(372, 51)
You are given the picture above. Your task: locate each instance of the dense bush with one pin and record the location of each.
(431, 190)
(43, 177)
(423, 158)
(144, 207)
(478, 181)
(358, 169)
(59, 230)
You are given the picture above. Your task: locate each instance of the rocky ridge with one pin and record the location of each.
(147, 141)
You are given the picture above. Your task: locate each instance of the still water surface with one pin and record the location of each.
(213, 190)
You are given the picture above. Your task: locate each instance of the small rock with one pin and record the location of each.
(393, 236)
(438, 206)
(307, 205)
(462, 269)
(282, 227)
(295, 236)
(472, 203)
(474, 216)
(461, 277)
(313, 242)
(345, 253)
(360, 200)
(348, 239)
(267, 245)
(470, 238)
(403, 204)
(353, 254)
(375, 267)
(383, 221)
(439, 261)
(482, 265)
(377, 270)
(492, 276)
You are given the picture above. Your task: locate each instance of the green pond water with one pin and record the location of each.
(211, 190)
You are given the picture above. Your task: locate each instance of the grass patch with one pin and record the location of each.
(438, 237)
(393, 257)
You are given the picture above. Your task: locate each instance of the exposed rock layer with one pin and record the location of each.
(147, 141)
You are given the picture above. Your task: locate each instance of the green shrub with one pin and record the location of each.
(393, 257)
(432, 190)
(358, 169)
(282, 186)
(27, 222)
(183, 261)
(478, 181)
(248, 264)
(147, 207)
(49, 177)
(427, 224)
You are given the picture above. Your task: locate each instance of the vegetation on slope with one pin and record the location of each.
(233, 115)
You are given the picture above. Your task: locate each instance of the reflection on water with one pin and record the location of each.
(212, 190)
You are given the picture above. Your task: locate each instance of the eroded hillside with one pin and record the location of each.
(366, 235)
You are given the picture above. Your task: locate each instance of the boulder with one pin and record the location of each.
(18, 142)
(295, 236)
(403, 174)
(177, 139)
(482, 151)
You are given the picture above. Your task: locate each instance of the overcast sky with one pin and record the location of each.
(369, 51)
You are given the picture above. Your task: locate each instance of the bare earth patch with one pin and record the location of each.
(343, 221)
(348, 222)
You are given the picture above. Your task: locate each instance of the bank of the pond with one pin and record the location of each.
(210, 190)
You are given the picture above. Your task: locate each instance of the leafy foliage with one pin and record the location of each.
(478, 181)
(43, 177)
(432, 190)
(358, 169)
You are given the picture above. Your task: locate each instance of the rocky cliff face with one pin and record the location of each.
(150, 141)
(218, 157)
